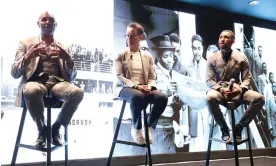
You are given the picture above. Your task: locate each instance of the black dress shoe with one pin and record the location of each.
(56, 137)
(41, 140)
(238, 131)
(225, 135)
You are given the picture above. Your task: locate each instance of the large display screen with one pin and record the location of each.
(88, 27)
(95, 32)
(253, 41)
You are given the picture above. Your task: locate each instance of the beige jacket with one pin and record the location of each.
(219, 71)
(123, 70)
(18, 70)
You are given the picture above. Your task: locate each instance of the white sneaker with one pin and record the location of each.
(137, 136)
(150, 135)
(187, 140)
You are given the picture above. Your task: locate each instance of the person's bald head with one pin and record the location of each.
(47, 23)
(46, 14)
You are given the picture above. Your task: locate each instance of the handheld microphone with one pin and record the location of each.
(232, 81)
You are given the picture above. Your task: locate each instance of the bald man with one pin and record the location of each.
(44, 65)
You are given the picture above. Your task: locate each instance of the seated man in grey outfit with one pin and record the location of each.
(45, 65)
(222, 66)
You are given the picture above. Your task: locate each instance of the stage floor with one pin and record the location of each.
(258, 161)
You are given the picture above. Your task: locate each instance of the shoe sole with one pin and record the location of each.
(150, 141)
(56, 144)
(238, 140)
(228, 140)
(139, 143)
(44, 146)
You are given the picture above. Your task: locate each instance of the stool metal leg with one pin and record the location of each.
(116, 133)
(19, 134)
(234, 138)
(249, 146)
(147, 137)
(146, 158)
(49, 134)
(66, 146)
(210, 143)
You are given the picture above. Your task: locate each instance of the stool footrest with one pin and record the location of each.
(130, 143)
(32, 147)
(217, 140)
(243, 141)
(229, 143)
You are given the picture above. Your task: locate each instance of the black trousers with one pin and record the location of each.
(138, 102)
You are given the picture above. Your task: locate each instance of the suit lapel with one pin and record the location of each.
(230, 65)
(37, 40)
(144, 60)
(145, 64)
(32, 67)
(127, 58)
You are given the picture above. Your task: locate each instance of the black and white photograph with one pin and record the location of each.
(170, 37)
(88, 86)
(253, 42)
(105, 104)
(90, 44)
(96, 60)
(92, 37)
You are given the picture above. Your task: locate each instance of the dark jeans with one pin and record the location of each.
(138, 102)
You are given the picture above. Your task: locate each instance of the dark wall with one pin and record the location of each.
(209, 22)
(209, 13)
(210, 27)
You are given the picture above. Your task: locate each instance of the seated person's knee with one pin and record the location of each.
(260, 99)
(163, 97)
(211, 96)
(138, 97)
(77, 93)
(31, 89)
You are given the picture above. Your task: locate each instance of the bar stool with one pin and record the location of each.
(230, 107)
(49, 102)
(148, 159)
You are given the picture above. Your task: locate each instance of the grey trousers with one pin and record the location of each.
(70, 94)
(254, 100)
